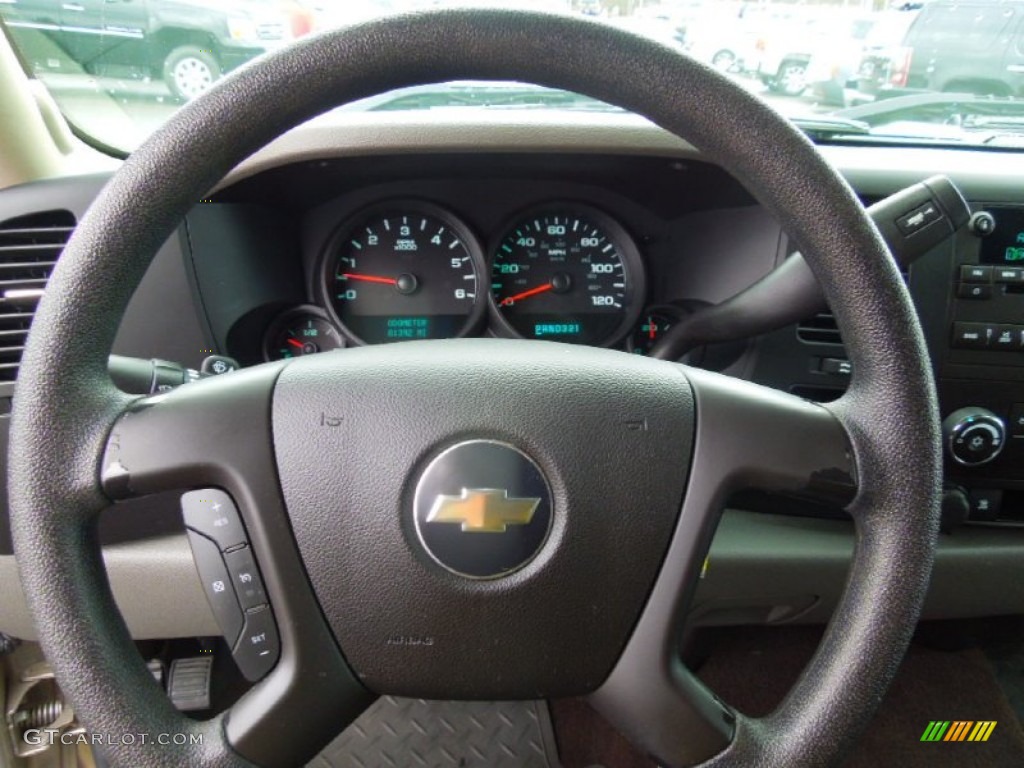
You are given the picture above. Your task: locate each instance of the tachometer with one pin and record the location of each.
(404, 271)
(567, 273)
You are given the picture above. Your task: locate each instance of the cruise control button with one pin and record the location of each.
(246, 578)
(974, 291)
(973, 273)
(217, 585)
(258, 646)
(212, 513)
(972, 335)
(1012, 275)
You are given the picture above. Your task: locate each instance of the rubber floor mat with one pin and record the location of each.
(413, 733)
(753, 670)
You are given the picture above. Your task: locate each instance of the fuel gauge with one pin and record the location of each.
(301, 331)
(655, 322)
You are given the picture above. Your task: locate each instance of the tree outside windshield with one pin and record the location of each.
(945, 69)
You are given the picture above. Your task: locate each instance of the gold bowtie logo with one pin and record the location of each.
(483, 510)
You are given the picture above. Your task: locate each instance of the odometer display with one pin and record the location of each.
(567, 274)
(408, 271)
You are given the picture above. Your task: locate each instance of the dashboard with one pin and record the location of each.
(546, 247)
(587, 229)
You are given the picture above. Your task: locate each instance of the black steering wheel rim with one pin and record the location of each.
(66, 404)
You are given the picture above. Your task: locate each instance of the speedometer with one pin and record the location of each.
(404, 271)
(567, 273)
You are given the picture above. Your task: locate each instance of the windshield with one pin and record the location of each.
(945, 71)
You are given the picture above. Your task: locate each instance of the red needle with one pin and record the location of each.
(525, 294)
(370, 278)
(296, 343)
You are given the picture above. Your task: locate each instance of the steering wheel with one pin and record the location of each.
(614, 468)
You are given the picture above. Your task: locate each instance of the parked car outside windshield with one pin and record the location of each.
(118, 70)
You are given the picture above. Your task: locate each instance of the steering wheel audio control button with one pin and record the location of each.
(213, 513)
(246, 578)
(258, 646)
(217, 586)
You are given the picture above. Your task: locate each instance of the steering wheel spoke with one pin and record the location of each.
(753, 437)
(212, 432)
(215, 436)
(748, 437)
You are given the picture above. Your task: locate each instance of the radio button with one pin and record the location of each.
(974, 273)
(1017, 420)
(974, 291)
(1008, 337)
(1010, 275)
(972, 335)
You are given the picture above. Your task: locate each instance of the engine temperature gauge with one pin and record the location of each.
(302, 331)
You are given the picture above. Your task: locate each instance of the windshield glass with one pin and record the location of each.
(944, 71)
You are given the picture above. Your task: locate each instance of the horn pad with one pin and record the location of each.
(482, 517)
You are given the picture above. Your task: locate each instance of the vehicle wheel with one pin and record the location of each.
(791, 79)
(635, 458)
(190, 71)
(724, 61)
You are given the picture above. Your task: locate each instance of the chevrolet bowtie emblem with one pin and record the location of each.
(483, 510)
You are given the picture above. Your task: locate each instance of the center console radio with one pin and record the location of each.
(981, 368)
(969, 292)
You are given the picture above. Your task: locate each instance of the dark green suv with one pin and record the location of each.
(956, 46)
(186, 43)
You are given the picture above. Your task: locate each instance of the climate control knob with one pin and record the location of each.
(973, 436)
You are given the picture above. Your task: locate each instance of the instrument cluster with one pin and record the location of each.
(408, 269)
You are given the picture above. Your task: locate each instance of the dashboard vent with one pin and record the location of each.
(820, 329)
(29, 247)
